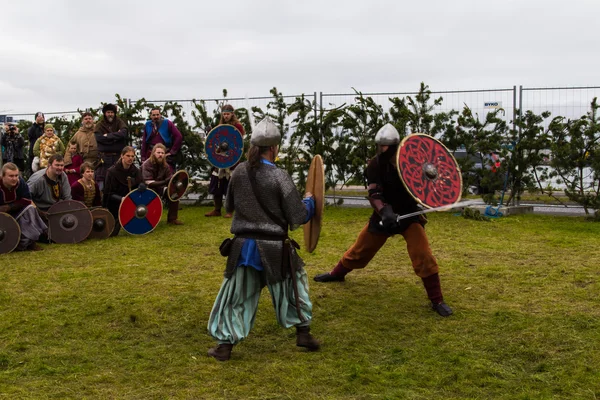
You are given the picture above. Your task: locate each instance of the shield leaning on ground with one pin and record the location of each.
(10, 233)
(178, 185)
(102, 225)
(224, 146)
(140, 211)
(315, 184)
(428, 171)
(69, 221)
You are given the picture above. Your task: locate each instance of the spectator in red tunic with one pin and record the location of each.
(72, 169)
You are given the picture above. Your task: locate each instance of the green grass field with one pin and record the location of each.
(125, 318)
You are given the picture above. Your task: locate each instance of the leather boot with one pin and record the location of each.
(305, 339)
(172, 215)
(222, 352)
(213, 213)
(337, 274)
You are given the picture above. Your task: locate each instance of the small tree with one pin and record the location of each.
(575, 150)
(527, 141)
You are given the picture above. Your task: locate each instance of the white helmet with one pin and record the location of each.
(387, 135)
(265, 133)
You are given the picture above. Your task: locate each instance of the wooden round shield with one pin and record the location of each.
(224, 146)
(178, 185)
(140, 211)
(428, 171)
(102, 225)
(315, 184)
(10, 233)
(69, 221)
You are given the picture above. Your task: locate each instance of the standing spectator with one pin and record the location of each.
(13, 145)
(111, 137)
(72, 166)
(85, 140)
(161, 130)
(36, 130)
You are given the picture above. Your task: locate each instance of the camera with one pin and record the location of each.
(12, 128)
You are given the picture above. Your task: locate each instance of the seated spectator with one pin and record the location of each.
(86, 189)
(121, 178)
(15, 200)
(49, 185)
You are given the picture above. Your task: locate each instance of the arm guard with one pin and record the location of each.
(376, 197)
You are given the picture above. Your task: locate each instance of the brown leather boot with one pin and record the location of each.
(228, 215)
(213, 213)
(222, 352)
(305, 339)
(175, 222)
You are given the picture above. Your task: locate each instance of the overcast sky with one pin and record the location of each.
(60, 55)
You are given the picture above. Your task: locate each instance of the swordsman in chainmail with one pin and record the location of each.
(111, 137)
(15, 200)
(389, 198)
(121, 179)
(219, 177)
(266, 203)
(156, 174)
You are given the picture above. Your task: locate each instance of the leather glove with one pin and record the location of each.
(142, 186)
(389, 219)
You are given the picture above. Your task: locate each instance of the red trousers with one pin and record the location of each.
(368, 244)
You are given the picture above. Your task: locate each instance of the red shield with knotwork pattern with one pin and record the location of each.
(428, 171)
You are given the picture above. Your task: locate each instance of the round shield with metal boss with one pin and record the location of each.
(428, 171)
(69, 221)
(224, 146)
(10, 233)
(315, 184)
(178, 185)
(140, 211)
(102, 225)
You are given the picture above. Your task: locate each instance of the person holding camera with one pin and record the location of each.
(13, 144)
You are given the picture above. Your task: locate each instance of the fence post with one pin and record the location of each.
(514, 107)
(315, 105)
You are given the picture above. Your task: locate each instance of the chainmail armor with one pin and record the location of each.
(279, 194)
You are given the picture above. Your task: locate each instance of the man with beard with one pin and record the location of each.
(15, 200)
(111, 137)
(156, 174)
(85, 140)
(161, 130)
(219, 178)
(121, 178)
(389, 198)
(35, 131)
(49, 185)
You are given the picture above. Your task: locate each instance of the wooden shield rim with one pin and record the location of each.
(83, 208)
(7, 217)
(410, 192)
(206, 142)
(171, 181)
(312, 229)
(107, 213)
(119, 214)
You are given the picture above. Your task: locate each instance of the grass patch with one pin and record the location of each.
(126, 317)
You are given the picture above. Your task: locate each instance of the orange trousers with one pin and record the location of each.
(368, 244)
